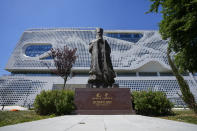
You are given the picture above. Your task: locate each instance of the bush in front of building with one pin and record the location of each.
(59, 102)
(151, 103)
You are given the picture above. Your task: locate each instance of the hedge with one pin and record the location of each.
(57, 102)
(151, 103)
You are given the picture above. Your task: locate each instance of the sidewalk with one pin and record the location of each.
(102, 123)
(8, 108)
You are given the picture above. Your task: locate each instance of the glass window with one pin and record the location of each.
(125, 35)
(126, 74)
(185, 74)
(131, 37)
(166, 74)
(36, 50)
(147, 73)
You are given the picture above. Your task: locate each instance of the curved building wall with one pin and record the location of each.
(128, 53)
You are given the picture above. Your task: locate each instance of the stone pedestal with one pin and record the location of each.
(103, 101)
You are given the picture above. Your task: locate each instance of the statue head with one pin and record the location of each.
(99, 33)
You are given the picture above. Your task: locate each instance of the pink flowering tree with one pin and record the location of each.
(64, 58)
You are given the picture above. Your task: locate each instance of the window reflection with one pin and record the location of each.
(131, 37)
(36, 50)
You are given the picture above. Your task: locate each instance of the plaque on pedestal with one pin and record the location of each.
(103, 101)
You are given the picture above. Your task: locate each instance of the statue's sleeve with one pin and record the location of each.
(90, 47)
(108, 47)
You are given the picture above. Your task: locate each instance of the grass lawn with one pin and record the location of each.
(183, 115)
(14, 117)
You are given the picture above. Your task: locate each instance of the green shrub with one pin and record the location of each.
(151, 103)
(57, 102)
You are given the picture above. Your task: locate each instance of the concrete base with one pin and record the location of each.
(108, 112)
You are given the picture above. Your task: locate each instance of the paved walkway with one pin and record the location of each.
(102, 123)
(8, 108)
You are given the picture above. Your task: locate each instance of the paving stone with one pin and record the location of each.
(102, 123)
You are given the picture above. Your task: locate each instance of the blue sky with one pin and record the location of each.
(19, 15)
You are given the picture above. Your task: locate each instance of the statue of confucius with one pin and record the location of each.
(101, 70)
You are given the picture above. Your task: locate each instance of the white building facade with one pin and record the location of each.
(138, 57)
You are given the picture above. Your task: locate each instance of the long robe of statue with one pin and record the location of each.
(101, 70)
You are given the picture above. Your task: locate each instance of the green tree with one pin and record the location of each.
(179, 23)
(179, 27)
(187, 96)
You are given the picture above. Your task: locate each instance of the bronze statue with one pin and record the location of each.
(101, 70)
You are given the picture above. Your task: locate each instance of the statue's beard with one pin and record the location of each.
(99, 37)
